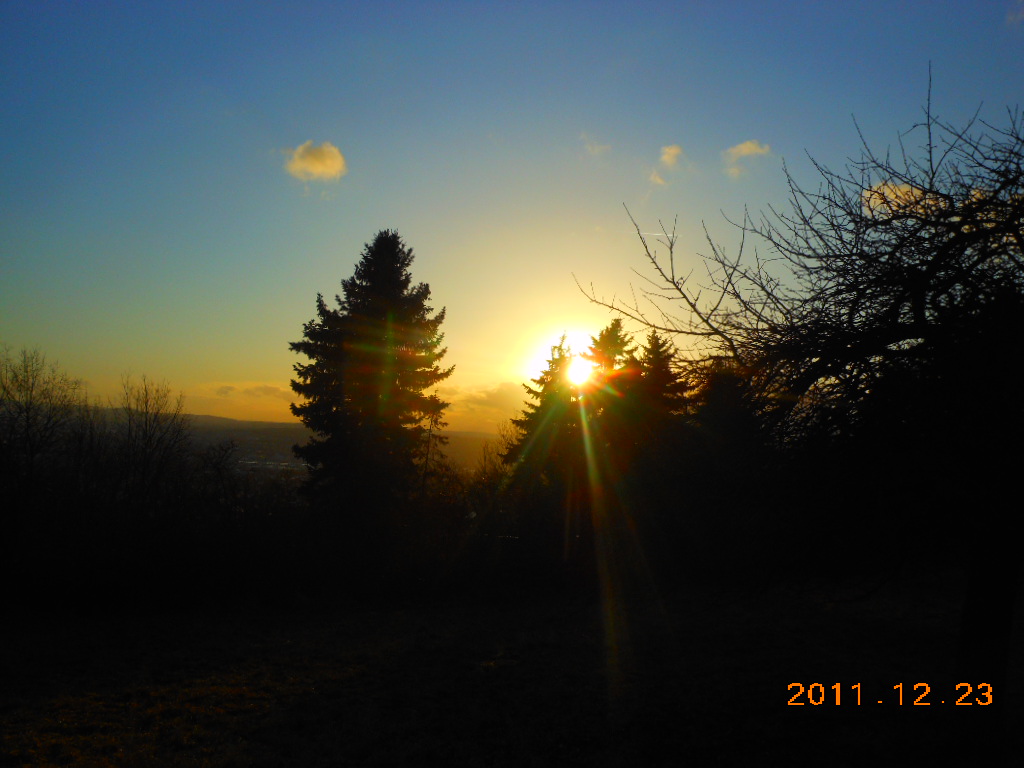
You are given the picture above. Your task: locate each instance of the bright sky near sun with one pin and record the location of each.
(180, 179)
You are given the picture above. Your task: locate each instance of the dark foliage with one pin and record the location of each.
(858, 379)
(548, 475)
(582, 463)
(116, 507)
(364, 390)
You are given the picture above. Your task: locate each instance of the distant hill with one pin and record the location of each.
(467, 448)
(269, 443)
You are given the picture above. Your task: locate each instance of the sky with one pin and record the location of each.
(179, 180)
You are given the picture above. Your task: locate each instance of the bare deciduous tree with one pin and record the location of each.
(153, 435)
(38, 403)
(891, 253)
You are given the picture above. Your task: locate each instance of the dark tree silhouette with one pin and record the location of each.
(610, 348)
(663, 388)
(612, 400)
(548, 429)
(548, 472)
(886, 255)
(873, 339)
(38, 405)
(658, 411)
(153, 444)
(364, 390)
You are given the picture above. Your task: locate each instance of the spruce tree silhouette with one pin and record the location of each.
(610, 348)
(364, 390)
(547, 460)
(663, 389)
(548, 429)
(612, 399)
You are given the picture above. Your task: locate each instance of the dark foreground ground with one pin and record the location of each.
(702, 678)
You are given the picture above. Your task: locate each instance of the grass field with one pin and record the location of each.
(701, 677)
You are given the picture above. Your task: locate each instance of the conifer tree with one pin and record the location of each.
(549, 427)
(548, 462)
(364, 390)
(663, 389)
(611, 399)
(610, 394)
(610, 348)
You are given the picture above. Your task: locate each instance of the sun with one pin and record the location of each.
(577, 371)
(580, 370)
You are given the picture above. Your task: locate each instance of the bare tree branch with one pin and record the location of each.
(855, 273)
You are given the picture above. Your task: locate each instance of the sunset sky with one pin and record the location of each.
(179, 180)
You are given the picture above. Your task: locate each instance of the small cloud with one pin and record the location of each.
(733, 155)
(592, 147)
(506, 397)
(1015, 15)
(670, 155)
(669, 161)
(316, 163)
(892, 198)
(482, 409)
(746, 149)
(245, 391)
(267, 390)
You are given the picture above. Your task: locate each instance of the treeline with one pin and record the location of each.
(109, 505)
(650, 469)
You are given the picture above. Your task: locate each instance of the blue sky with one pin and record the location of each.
(148, 222)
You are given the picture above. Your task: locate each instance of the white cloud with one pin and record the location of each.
(890, 198)
(483, 408)
(733, 155)
(268, 390)
(316, 163)
(506, 397)
(592, 147)
(670, 155)
(668, 163)
(747, 149)
(246, 390)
